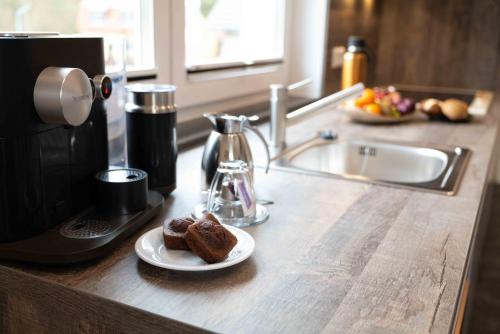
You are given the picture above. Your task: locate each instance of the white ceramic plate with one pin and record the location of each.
(150, 248)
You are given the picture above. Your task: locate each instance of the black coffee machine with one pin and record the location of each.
(53, 141)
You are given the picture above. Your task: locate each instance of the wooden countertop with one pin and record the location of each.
(335, 256)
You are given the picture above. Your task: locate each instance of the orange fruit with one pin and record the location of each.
(373, 108)
(368, 95)
(359, 102)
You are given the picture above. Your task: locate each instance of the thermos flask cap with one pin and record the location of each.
(150, 98)
(356, 41)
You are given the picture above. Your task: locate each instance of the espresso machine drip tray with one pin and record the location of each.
(87, 236)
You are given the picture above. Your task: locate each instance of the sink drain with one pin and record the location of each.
(87, 228)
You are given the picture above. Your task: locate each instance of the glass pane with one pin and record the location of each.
(225, 31)
(115, 20)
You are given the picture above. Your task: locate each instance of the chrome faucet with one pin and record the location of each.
(279, 108)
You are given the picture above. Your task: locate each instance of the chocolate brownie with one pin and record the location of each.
(174, 232)
(208, 239)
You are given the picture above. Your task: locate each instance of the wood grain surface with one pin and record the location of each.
(424, 42)
(336, 256)
(440, 43)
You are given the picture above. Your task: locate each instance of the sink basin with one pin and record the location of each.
(397, 164)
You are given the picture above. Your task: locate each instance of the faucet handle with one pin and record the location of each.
(279, 91)
(253, 118)
(299, 84)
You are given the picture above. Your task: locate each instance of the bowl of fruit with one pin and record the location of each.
(382, 105)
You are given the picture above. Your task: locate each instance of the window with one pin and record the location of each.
(211, 79)
(210, 49)
(115, 20)
(233, 33)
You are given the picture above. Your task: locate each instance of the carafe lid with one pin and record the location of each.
(227, 123)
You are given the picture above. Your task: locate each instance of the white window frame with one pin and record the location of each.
(222, 90)
(207, 87)
(146, 33)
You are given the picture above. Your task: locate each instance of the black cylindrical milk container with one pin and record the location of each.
(151, 133)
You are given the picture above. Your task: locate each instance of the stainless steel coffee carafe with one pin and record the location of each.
(226, 142)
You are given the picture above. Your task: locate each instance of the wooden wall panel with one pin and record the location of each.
(438, 43)
(351, 17)
(452, 43)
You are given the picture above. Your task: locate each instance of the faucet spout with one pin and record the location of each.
(280, 119)
(307, 111)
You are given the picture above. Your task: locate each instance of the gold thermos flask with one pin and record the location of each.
(355, 63)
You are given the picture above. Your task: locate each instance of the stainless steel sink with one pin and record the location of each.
(398, 164)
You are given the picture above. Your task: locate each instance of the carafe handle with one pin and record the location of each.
(261, 137)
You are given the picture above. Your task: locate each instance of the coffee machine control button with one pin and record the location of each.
(63, 96)
(103, 86)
